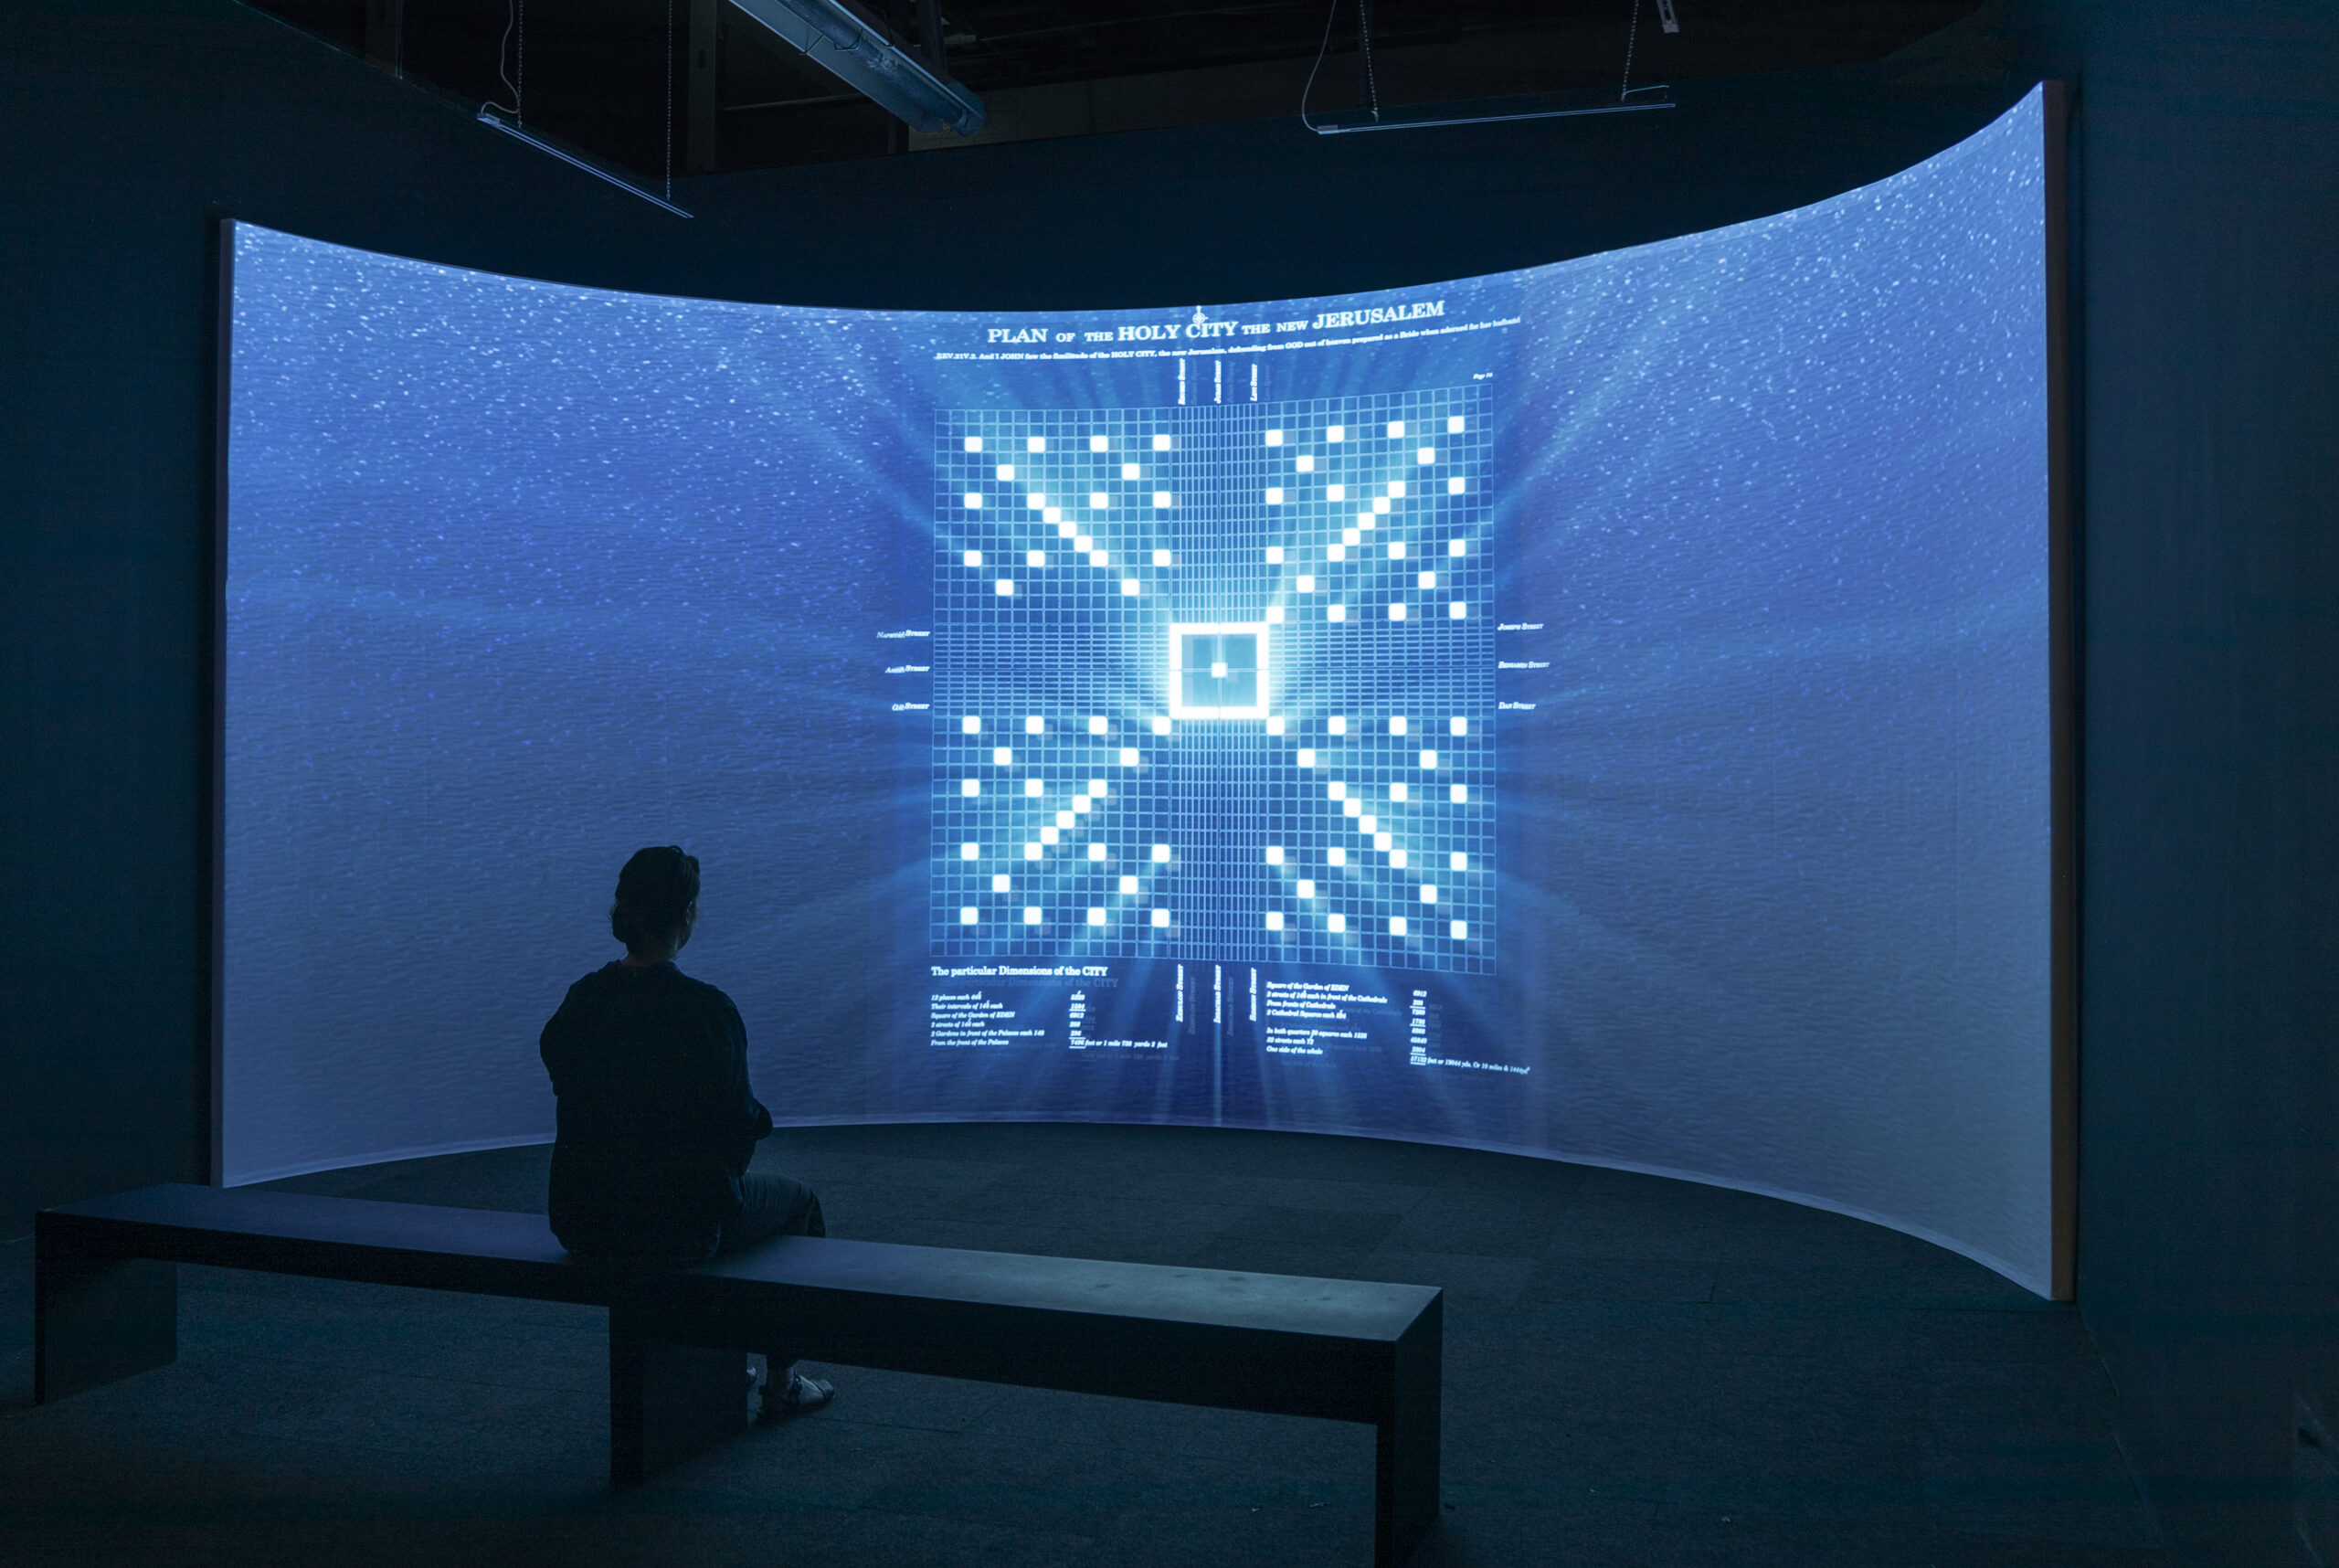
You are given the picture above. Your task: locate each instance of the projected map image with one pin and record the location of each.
(1216, 681)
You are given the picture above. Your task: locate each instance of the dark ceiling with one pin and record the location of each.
(613, 77)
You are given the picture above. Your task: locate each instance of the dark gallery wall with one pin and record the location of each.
(2207, 182)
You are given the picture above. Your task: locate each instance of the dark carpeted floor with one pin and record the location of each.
(1637, 1372)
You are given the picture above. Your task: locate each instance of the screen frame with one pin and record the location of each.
(2065, 690)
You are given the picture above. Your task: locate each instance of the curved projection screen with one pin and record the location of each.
(1599, 711)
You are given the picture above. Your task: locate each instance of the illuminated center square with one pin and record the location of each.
(1218, 671)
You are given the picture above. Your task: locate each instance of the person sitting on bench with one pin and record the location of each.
(656, 1120)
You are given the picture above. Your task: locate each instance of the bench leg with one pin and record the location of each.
(97, 1319)
(668, 1402)
(1404, 1504)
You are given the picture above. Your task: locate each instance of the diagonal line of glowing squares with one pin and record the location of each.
(1219, 670)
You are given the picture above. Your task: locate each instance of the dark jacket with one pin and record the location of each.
(657, 1121)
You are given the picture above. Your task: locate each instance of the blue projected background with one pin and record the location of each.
(1599, 711)
(1216, 683)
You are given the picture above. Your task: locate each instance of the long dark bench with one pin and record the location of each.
(106, 1306)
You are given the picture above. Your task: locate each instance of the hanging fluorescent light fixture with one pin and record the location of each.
(493, 114)
(855, 47)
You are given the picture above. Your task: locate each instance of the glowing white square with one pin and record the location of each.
(1274, 437)
(970, 785)
(1425, 581)
(1275, 498)
(1397, 612)
(1218, 669)
(1095, 851)
(1426, 456)
(1036, 501)
(1034, 724)
(1081, 544)
(1338, 724)
(1307, 758)
(1064, 822)
(1050, 836)
(1370, 519)
(1098, 501)
(1128, 756)
(972, 724)
(1275, 552)
(1338, 613)
(1274, 725)
(1033, 786)
(1096, 788)
(1000, 883)
(1460, 931)
(1396, 429)
(1130, 588)
(1429, 891)
(1306, 464)
(1304, 585)
(1035, 557)
(1337, 791)
(1454, 425)
(1004, 473)
(1459, 794)
(1396, 791)
(1001, 757)
(1095, 916)
(1030, 852)
(1100, 557)
(1336, 433)
(1457, 861)
(1160, 557)
(1457, 725)
(974, 443)
(1335, 924)
(1336, 552)
(971, 852)
(1336, 855)
(1396, 925)
(1128, 470)
(1396, 549)
(1305, 888)
(1036, 444)
(1051, 514)
(1004, 587)
(1350, 537)
(1161, 726)
(969, 915)
(1097, 725)
(1162, 499)
(1335, 492)
(973, 499)
(1128, 884)
(1274, 854)
(1382, 841)
(1457, 611)
(1352, 807)
(1161, 854)
(1161, 916)
(1397, 858)
(1097, 443)
(1031, 914)
(1275, 615)
(973, 557)
(1397, 488)
(1274, 919)
(1081, 803)
(1161, 443)
(1429, 759)
(1457, 546)
(1455, 486)
(1379, 509)
(1367, 824)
